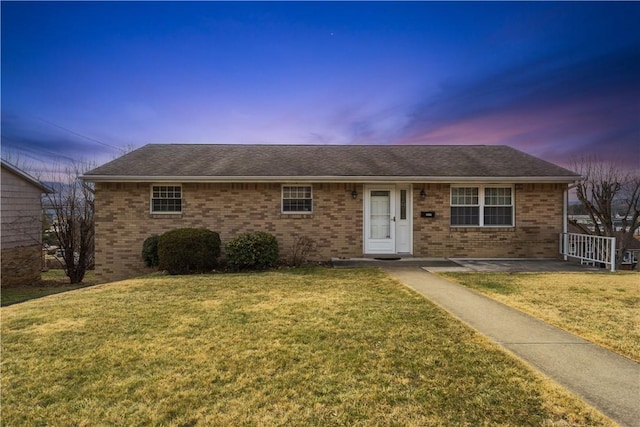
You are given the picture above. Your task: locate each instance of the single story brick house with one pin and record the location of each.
(353, 200)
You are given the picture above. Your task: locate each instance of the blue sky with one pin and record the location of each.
(87, 80)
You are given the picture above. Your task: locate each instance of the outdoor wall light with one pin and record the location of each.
(423, 194)
(354, 194)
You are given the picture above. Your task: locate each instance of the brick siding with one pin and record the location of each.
(538, 219)
(21, 266)
(124, 221)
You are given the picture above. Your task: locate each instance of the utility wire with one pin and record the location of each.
(36, 153)
(79, 134)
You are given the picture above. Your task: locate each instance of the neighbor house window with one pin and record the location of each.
(482, 206)
(297, 199)
(166, 199)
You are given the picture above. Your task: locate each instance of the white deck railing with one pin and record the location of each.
(590, 250)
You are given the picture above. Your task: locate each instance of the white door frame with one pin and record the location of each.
(404, 226)
(390, 244)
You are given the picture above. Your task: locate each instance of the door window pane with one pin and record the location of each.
(380, 215)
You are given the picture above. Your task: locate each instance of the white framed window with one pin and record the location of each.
(482, 206)
(166, 199)
(465, 206)
(498, 206)
(297, 199)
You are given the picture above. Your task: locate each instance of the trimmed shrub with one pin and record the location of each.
(252, 251)
(188, 250)
(150, 251)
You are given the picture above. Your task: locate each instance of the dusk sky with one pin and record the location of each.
(87, 80)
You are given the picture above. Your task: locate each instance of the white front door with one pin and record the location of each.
(387, 219)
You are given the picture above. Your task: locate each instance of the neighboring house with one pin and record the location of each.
(630, 256)
(21, 239)
(585, 220)
(353, 200)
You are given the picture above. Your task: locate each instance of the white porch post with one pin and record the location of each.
(565, 213)
(614, 248)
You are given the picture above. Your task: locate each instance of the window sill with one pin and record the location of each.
(286, 215)
(484, 229)
(157, 215)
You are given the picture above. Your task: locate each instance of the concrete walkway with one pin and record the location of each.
(465, 264)
(605, 380)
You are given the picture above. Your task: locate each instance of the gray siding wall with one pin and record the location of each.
(21, 211)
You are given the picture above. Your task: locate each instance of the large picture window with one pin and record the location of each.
(166, 199)
(297, 199)
(481, 206)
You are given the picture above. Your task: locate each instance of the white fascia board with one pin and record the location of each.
(333, 179)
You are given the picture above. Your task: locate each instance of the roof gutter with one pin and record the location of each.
(330, 179)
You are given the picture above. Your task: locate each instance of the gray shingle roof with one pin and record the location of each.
(192, 162)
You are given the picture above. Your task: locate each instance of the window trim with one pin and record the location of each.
(282, 211)
(477, 195)
(151, 198)
(511, 205)
(481, 205)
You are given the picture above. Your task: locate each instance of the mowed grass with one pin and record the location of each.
(53, 282)
(299, 347)
(601, 307)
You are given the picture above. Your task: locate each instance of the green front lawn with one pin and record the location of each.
(600, 307)
(293, 347)
(53, 282)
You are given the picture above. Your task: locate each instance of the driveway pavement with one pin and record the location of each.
(605, 380)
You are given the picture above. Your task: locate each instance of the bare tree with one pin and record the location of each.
(608, 192)
(72, 206)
